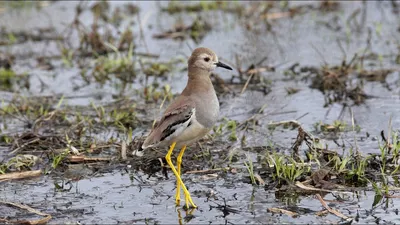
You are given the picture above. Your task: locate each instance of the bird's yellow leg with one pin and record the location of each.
(178, 177)
(178, 167)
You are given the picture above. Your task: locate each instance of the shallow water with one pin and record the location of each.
(117, 198)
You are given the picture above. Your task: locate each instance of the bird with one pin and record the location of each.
(189, 117)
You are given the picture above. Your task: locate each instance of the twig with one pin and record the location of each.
(25, 120)
(261, 61)
(333, 211)
(77, 159)
(44, 220)
(305, 114)
(284, 211)
(276, 15)
(23, 146)
(389, 132)
(319, 53)
(206, 171)
(141, 33)
(261, 182)
(285, 122)
(304, 187)
(123, 150)
(20, 175)
(392, 196)
(322, 212)
(247, 83)
(341, 48)
(150, 55)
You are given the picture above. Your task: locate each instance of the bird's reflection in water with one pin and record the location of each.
(188, 216)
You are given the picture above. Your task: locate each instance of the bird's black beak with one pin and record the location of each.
(220, 64)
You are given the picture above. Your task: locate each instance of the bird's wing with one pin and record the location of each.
(175, 120)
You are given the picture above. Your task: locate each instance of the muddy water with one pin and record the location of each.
(132, 198)
(119, 198)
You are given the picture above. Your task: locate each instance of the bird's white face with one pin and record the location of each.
(206, 61)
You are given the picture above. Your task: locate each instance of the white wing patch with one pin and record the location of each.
(179, 128)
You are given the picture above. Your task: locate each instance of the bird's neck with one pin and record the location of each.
(198, 72)
(199, 80)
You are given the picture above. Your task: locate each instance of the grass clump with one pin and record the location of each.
(117, 64)
(285, 169)
(11, 81)
(196, 30)
(19, 163)
(336, 127)
(153, 94)
(157, 69)
(226, 127)
(250, 170)
(174, 7)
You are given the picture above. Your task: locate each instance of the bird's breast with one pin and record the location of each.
(207, 110)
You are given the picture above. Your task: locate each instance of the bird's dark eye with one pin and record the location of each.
(206, 59)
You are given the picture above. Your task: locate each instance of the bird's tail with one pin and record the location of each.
(138, 151)
(138, 147)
